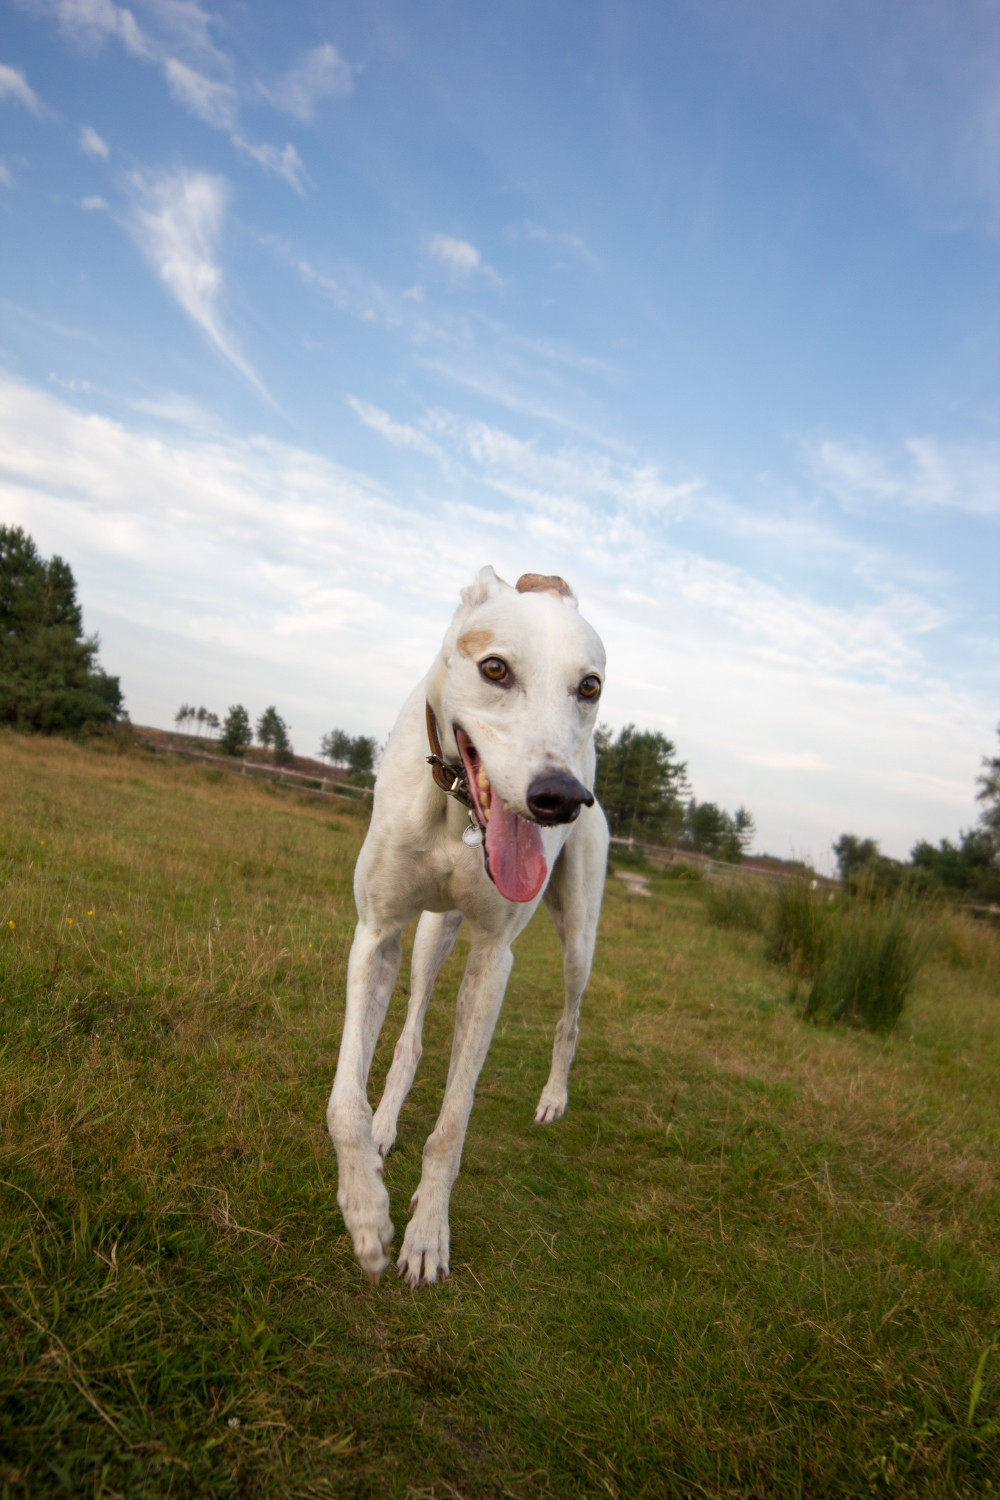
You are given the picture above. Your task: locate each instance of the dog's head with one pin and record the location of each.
(516, 697)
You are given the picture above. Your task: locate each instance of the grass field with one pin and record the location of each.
(758, 1257)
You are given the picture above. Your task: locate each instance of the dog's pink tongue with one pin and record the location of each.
(517, 854)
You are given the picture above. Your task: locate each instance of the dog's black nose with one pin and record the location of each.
(557, 797)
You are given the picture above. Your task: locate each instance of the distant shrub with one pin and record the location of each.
(736, 904)
(627, 857)
(681, 869)
(869, 962)
(798, 928)
(964, 943)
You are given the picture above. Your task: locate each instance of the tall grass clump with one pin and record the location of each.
(736, 904)
(963, 943)
(799, 931)
(870, 964)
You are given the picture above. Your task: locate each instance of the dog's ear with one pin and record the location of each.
(486, 586)
(545, 583)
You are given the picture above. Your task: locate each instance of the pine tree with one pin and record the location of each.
(49, 677)
(639, 782)
(989, 796)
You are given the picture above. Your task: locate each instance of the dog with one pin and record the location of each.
(483, 806)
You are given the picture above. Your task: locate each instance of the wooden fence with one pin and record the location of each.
(319, 786)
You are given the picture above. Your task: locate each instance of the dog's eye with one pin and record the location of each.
(494, 670)
(590, 688)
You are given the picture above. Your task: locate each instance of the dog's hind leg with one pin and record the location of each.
(361, 1194)
(436, 934)
(426, 1245)
(574, 899)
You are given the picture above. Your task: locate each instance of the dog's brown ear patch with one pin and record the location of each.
(474, 641)
(543, 583)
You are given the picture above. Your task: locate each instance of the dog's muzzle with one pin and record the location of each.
(557, 797)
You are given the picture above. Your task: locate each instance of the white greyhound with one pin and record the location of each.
(498, 814)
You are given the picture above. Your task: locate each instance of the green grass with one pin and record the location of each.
(756, 1258)
(742, 904)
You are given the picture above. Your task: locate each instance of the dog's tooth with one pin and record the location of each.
(484, 781)
(486, 814)
(506, 807)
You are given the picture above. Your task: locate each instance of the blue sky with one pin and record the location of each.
(308, 312)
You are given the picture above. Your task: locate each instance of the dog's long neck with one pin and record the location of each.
(436, 686)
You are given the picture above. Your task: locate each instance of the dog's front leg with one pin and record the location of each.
(426, 1245)
(436, 934)
(361, 1194)
(574, 899)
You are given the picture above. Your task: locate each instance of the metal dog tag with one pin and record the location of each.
(473, 836)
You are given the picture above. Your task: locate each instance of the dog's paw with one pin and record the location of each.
(551, 1106)
(366, 1214)
(424, 1256)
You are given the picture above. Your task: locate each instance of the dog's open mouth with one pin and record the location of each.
(515, 854)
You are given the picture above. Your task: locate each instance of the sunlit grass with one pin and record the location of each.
(757, 1257)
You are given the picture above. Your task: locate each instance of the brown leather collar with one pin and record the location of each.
(451, 779)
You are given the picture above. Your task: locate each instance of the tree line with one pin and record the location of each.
(968, 868)
(355, 753)
(644, 791)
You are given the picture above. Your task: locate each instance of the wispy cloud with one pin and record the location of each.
(557, 237)
(213, 96)
(353, 292)
(552, 236)
(171, 25)
(461, 259)
(286, 163)
(71, 383)
(6, 176)
(399, 434)
(186, 25)
(90, 23)
(93, 203)
(91, 143)
(14, 87)
(217, 104)
(922, 473)
(458, 255)
(178, 222)
(322, 74)
(212, 102)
